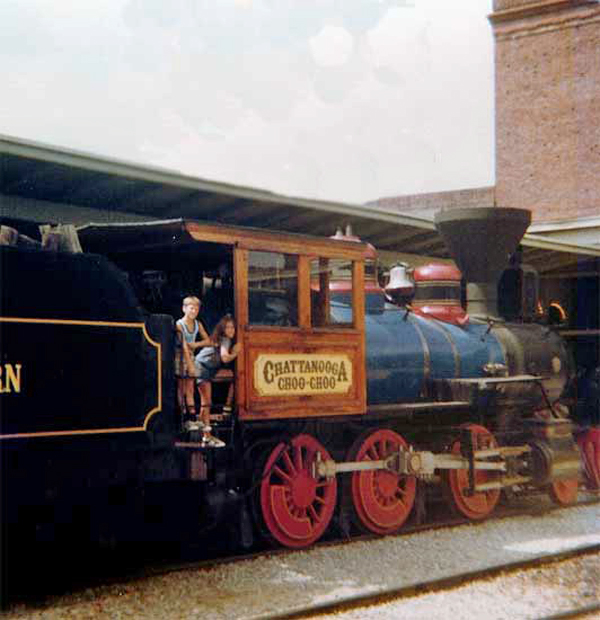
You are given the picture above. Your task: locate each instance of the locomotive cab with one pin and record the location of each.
(298, 360)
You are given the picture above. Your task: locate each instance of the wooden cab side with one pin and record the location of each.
(303, 346)
(300, 360)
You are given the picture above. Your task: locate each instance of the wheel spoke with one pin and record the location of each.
(288, 462)
(283, 487)
(400, 491)
(313, 513)
(283, 475)
(298, 458)
(383, 452)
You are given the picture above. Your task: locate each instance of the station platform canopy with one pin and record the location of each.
(49, 184)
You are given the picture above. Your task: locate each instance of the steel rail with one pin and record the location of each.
(575, 612)
(385, 595)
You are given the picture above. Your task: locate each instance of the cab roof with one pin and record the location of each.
(125, 238)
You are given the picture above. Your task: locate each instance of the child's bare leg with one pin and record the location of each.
(181, 395)
(189, 397)
(229, 399)
(205, 390)
(206, 399)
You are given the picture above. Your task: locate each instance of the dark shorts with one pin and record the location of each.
(204, 373)
(181, 370)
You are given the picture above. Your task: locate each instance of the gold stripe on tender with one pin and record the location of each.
(96, 431)
(131, 429)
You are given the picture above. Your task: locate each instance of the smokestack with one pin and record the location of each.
(480, 241)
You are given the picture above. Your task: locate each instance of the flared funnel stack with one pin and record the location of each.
(481, 241)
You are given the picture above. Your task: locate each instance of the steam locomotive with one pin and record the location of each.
(346, 395)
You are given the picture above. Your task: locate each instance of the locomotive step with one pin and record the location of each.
(196, 445)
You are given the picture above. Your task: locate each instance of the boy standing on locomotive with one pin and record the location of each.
(221, 350)
(188, 329)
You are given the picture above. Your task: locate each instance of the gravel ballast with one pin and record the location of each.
(532, 593)
(262, 586)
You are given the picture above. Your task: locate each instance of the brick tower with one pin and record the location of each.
(548, 106)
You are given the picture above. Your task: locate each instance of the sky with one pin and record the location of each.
(344, 100)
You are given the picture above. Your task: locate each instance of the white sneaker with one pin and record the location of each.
(210, 441)
(193, 425)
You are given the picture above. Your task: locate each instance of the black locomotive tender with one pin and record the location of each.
(344, 400)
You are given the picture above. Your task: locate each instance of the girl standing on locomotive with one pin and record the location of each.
(221, 350)
(188, 329)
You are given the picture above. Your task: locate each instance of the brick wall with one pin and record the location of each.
(548, 107)
(537, 6)
(425, 205)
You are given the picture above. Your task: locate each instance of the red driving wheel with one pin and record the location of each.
(589, 444)
(481, 504)
(296, 507)
(382, 499)
(564, 492)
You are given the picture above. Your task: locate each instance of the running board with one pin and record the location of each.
(405, 408)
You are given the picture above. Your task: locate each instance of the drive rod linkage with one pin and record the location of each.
(424, 463)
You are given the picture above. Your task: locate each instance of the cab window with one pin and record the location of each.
(273, 289)
(331, 292)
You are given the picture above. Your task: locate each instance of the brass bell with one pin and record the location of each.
(400, 287)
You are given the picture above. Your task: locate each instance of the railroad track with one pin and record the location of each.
(502, 512)
(348, 574)
(162, 567)
(437, 585)
(119, 572)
